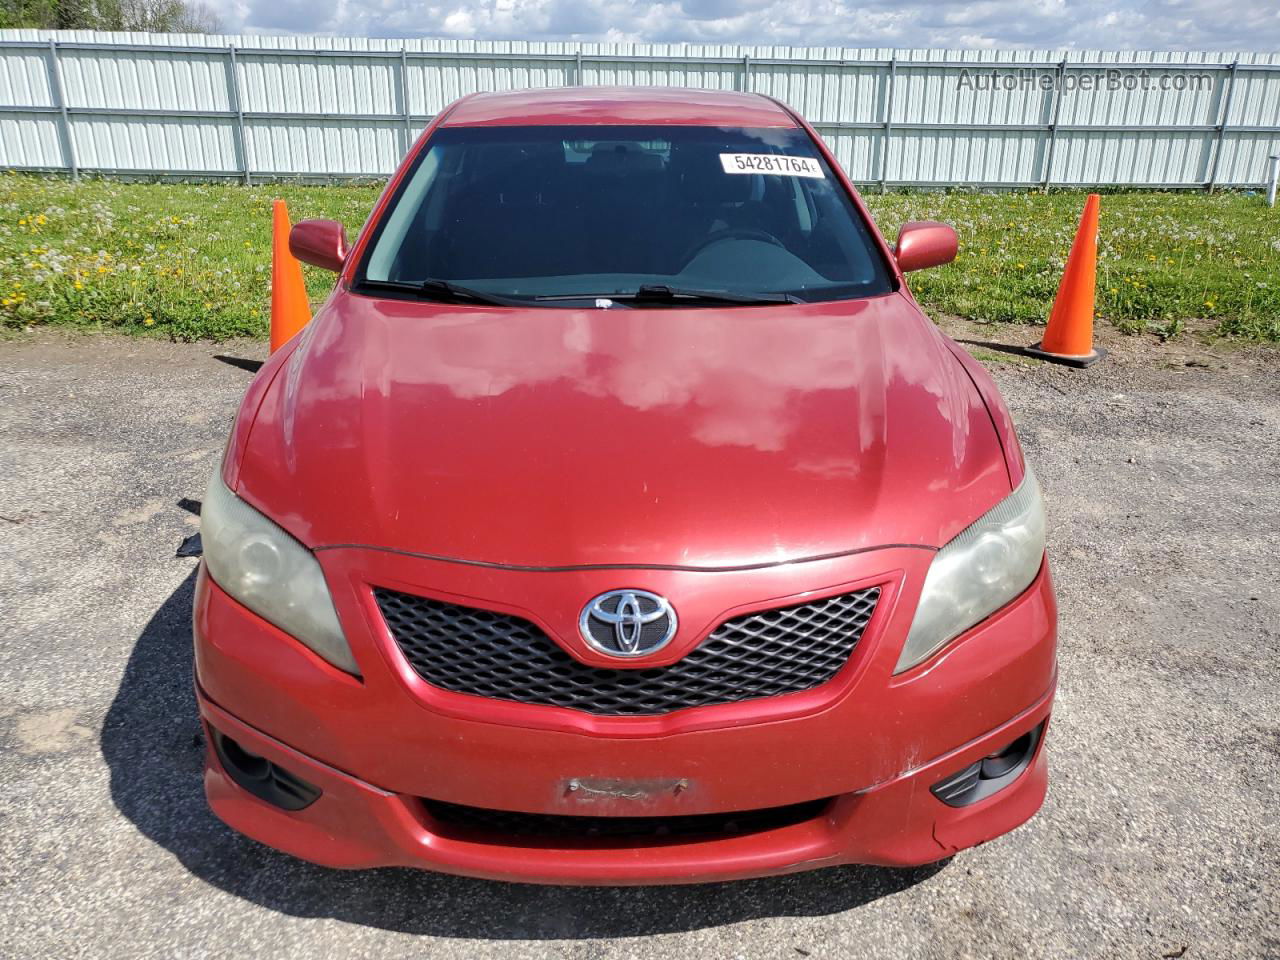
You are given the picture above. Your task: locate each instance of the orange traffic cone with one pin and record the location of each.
(290, 310)
(1069, 336)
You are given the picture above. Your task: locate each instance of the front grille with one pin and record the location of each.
(482, 824)
(503, 657)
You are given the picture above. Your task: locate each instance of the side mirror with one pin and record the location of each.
(925, 243)
(321, 243)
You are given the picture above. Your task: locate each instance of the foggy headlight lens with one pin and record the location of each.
(272, 574)
(988, 564)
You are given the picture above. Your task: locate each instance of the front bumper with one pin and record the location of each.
(872, 742)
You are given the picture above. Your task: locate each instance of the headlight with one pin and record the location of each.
(988, 564)
(271, 573)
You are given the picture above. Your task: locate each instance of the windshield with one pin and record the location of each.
(553, 214)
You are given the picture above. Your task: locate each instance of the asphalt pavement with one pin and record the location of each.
(1158, 839)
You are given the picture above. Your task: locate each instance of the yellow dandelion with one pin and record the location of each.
(147, 321)
(79, 285)
(208, 305)
(22, 223)
(102, 269)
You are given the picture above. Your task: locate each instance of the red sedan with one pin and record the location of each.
(620, 518)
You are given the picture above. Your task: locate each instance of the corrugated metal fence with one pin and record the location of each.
(246, 107)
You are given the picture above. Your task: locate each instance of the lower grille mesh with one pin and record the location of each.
(500, 824)
(504, 657)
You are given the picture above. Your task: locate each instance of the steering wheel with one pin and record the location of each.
(736, 233)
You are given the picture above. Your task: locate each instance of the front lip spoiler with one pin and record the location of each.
(570, 568)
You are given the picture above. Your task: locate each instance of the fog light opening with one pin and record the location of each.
(249, 765)
(261, 777)
(991, 774)
(1002, 761)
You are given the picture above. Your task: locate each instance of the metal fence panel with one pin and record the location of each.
(959, 156)
(102, 78)
(24, 77)
(318, 85)
(436, 83)
(1171, 159)
(337, 148)
(705, 76)
(170, 144)
(855, 149)
(31, 141)
(1244, 154)
(820, 92)
(191, 105)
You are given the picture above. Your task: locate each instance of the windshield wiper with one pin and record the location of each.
(659, 293)
(443, 290)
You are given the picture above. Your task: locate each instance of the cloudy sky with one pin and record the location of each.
(1113, 24)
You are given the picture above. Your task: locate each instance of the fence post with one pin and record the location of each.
(746, 74)
(1222, 126)
(888, 124)
(577, 68)
(1052, 146)
(237, 104)
(404, 98)
(60, 101)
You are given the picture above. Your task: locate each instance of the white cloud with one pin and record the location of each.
(1035, 24)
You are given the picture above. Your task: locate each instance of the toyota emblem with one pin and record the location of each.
(628, 623)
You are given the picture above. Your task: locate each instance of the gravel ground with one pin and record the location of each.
(1159, 837)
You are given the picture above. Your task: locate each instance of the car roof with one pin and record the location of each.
(619, 105)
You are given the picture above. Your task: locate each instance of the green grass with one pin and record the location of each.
(193, 261)
(189, 261)
(1165, 260)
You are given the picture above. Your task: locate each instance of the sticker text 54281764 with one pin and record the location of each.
(774, 163)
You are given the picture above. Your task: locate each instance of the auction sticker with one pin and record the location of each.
(771, 163)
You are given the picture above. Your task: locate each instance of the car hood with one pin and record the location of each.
(701, 438)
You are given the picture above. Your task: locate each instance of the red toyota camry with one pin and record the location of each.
(620, 518)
